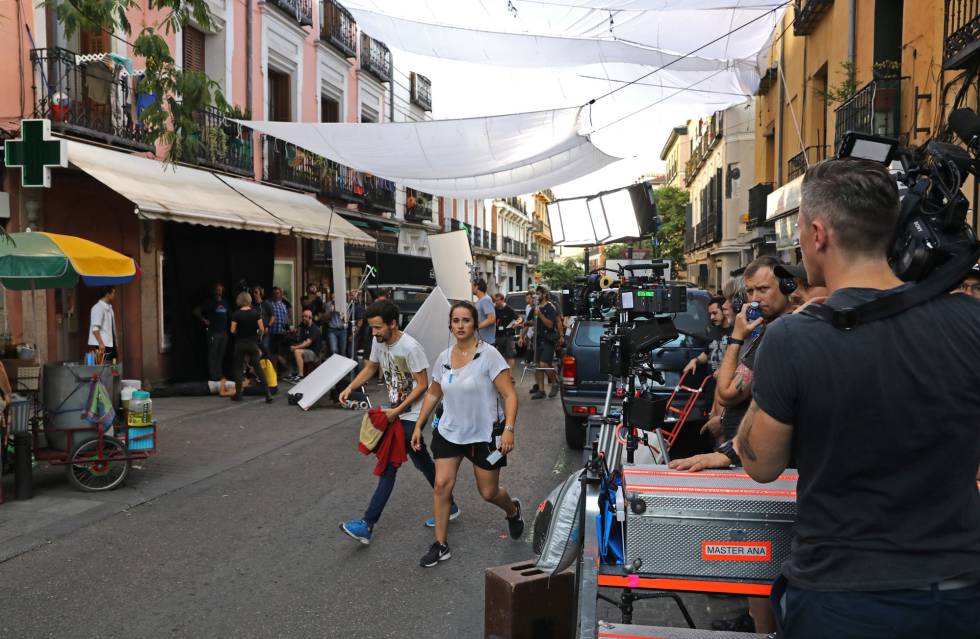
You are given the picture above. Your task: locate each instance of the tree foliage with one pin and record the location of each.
(180, 92)
(559, 274)
(671, 202)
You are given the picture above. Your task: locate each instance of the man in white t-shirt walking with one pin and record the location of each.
(102, 325)
(405, 367)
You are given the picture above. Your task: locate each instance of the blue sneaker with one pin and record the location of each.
(453, 516)
(357, 529)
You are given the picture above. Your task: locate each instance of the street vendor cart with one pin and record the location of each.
(73, 417)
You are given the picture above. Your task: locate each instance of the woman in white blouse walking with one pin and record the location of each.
(470, 378)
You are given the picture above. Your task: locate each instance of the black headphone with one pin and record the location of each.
(787, 285)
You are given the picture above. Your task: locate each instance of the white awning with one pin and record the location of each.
(183, 194)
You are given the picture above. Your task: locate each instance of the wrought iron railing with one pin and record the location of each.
(375, 58)
(222, 144)
(301, 10)
(796, 165)
(486, 240)
(961, 32)
(292, 166)
(493, 242)
(699, 235)
(873, 109)
(689, 239)
(418, 205)
(379, 193)
(421, 90)
(538, 226)
(476, 238)
(89, 96)
(338, 28)
(758, 196)
(808, 13)
(516, 203)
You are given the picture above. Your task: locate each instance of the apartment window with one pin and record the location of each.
(193, 49)
(329, 110)
(367, 115)
(280, 109)
(93, 41)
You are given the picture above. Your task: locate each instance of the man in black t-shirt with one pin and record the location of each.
(214, 313)
(545, 321)
(883, 421)
(307, 348)
(506, 316)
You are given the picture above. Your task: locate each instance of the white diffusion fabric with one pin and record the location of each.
(495, 156)
(469, 44)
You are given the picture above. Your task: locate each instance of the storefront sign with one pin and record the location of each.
(34, 152)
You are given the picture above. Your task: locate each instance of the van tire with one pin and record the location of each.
(575, 432)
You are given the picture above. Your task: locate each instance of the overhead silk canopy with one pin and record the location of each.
(633, 68)
(496, 156)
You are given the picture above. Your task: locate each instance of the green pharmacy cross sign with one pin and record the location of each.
(35, 152)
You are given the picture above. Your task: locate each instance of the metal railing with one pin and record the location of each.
(418, 205)
(421, 91)
(88, 96)
(375, 58)
(222, 144)
(515, 203)
(808, 13)
(486, 239)
(796, 165)
(379, 193)
(758, 196)
(538, 226)
(689, 239)
(338, 28)
(493, 242)
(961, 32)
(873, 109)
(292, 166)
(301, 10)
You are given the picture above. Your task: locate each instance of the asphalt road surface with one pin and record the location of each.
(244, 540)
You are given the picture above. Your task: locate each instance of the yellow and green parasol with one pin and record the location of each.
(47, 260)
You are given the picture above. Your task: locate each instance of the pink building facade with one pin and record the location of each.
(288, 60)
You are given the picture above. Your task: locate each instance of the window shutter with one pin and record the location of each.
(193, 49)
(93, 41)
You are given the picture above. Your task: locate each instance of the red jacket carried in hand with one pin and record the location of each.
(391, 448)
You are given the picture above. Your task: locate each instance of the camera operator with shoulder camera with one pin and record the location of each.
(882, 421)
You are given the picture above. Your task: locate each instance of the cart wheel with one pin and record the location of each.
(90, 471)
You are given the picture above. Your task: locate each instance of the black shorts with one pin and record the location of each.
(545, 352)
(477, 453)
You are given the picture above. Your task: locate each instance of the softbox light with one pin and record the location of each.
(619, 213)
(554, 221)
(598, 216)
(576, 223)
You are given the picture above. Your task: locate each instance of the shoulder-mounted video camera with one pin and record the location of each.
(932, 227)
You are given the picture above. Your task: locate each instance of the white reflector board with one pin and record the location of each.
(620, 215)
(451, 260)
(576, 222)
(430, 326)
(598, 216)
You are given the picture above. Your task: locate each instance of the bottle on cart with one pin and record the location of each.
(140, 409)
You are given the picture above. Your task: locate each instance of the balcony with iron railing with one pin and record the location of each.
(808, 14)
(515, 203)
(418, 205)
(300, 10)
(476, 238)
(421, 91)
(689, 239)
(338, 28)
(873, 109)
(961, 33)
(294, 167)
(702, 145)
(221, 144)
(796, 165)
(537, 226)
(758, 197)
(699, 237)
(494, 246)
(375, 58)
(88, 96)
(799, 163)
(486, 240)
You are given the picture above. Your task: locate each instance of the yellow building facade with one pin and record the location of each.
(887, 67)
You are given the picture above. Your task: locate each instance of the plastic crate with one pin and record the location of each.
(141, 437)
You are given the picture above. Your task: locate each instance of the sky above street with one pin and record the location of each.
(634, 122)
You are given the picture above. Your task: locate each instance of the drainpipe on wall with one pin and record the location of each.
(851, 23)
(391, 94)
(248, 55)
